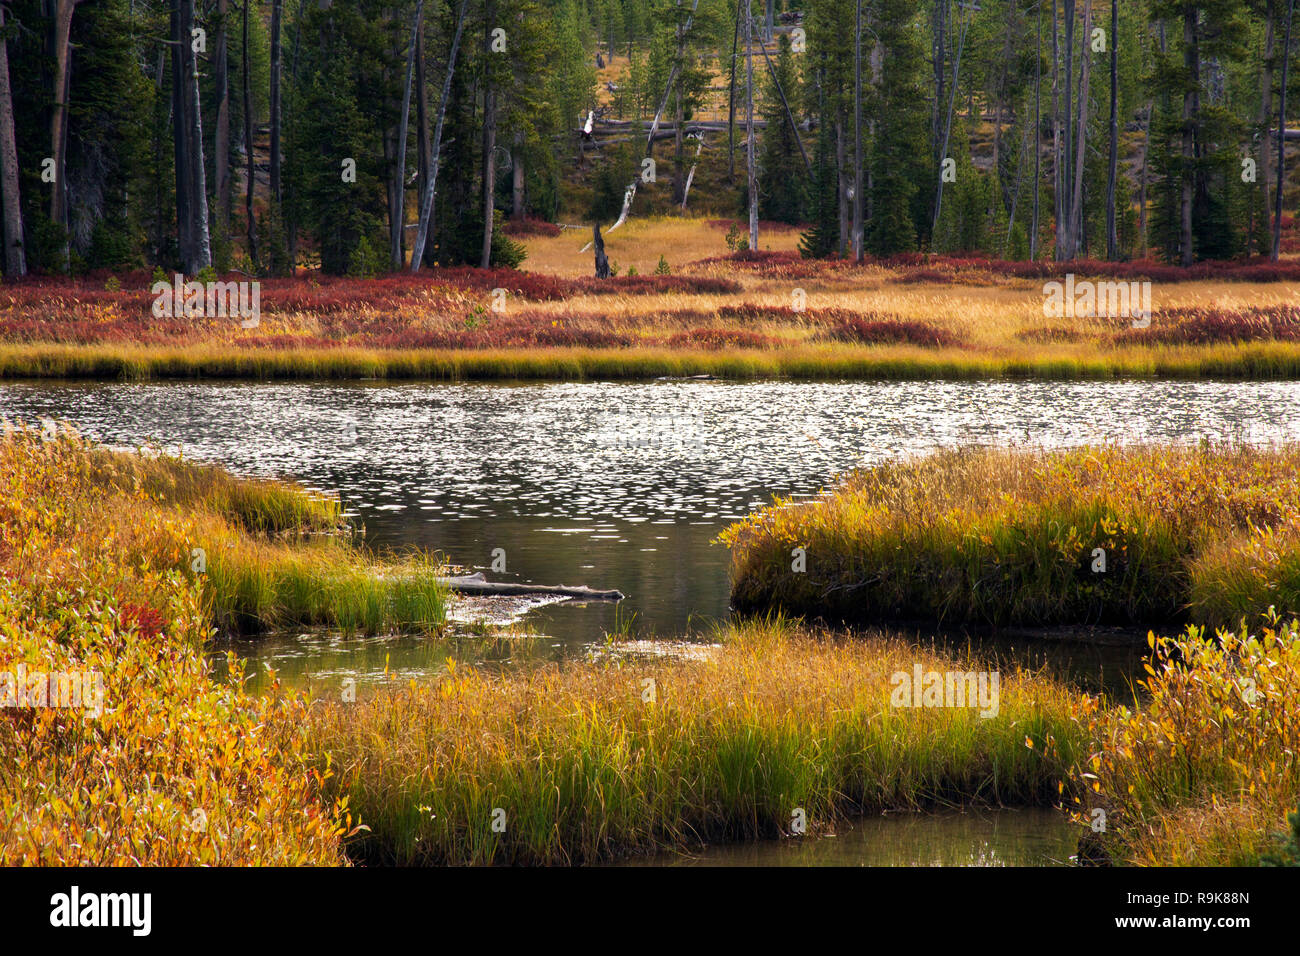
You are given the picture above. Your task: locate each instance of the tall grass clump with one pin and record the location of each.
(584, 765)
(993, 537)
(1205, 771)
(264, 554)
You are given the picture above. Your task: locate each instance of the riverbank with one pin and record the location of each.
(1138, 536)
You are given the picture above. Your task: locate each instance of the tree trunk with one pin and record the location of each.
(602, 261)
(1058, 180)
(398, 232)
(197, 179)
(15, 260)
(1265, 121)
(1081, 140)
(489, 139)
(1190, 62)
(221, 144)
(435, 152)
(857, 132)
(421, 121)
(749, 122)
(1038, 127)
(731, 99)
(1281, 135)
(1067, 122)
(277, 7)
(63, 10)
(518, 206)
(180, 137)
(1112, 228)
(251, 177)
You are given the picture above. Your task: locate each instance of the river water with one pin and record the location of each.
(615, 485)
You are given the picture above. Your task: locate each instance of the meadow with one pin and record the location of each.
(682, 305)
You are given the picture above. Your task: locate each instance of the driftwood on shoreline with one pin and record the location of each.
(477, 584)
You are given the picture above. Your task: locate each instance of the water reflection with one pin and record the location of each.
(1026, 837)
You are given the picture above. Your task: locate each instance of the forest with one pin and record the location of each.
(364, 137)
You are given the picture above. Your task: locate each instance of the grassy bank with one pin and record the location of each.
(584, 767)
(127, 362)
(1139, 535)
(264, 554)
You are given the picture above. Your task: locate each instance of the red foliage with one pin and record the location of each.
(873, 329)
(146, 621)
(721, 339)
(529, 227)
(1207, 326)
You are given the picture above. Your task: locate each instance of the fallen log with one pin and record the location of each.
(477, 584)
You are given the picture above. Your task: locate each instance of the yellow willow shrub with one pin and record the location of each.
(115, 745)
(1205, 770)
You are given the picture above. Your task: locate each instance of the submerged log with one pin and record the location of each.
(477, 584)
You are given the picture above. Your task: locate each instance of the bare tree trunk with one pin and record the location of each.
(489, 139)
(841, 167)
(857, 132)
(221, 143)
(1067, 122)
(421, 122)
(63, 11)
(1265, 121)
(1081, 140)
(197, 178)
(679, 121)
(769, 22)
(1038, 127)
(731, 100)
(435, 152)
(1281, 135)
(518, 202)
(1112, 227)
(1142, 180)
(1058, 179)
(277, 7)
(749, 122)
(15, 259)
(602, 261)
(180, 137)
(251, 177)
(398, 232)
(1190, 61)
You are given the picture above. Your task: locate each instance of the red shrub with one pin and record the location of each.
(721, 339)
(873, 329)
(1207, 326)
(529, 227)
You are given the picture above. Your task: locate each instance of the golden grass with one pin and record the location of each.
(578, 764)
(996, 537)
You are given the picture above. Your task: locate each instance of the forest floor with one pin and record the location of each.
(769, 313)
